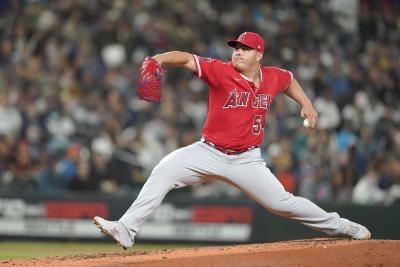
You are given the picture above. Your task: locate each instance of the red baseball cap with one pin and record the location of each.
(250, 39)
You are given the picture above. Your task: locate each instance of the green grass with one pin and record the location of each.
(27, 249)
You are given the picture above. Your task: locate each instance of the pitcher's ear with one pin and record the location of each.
(260, 56)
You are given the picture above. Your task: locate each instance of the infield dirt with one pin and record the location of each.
(311, 252)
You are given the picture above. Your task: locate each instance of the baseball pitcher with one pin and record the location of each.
(240, 93)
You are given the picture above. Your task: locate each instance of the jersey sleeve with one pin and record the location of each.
(280, 81)
(207, 69)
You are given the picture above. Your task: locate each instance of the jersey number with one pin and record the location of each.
(258, 124)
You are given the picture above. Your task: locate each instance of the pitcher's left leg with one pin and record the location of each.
(259, 183)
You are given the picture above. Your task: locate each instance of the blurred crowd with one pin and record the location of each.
(70, 119)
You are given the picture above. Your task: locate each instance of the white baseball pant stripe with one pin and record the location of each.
(199, 163)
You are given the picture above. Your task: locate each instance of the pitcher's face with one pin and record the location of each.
(244, 57)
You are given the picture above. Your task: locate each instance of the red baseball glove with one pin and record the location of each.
(149, 87)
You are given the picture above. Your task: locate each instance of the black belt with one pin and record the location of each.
(228, 151)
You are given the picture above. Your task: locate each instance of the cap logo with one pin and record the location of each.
(242, 36)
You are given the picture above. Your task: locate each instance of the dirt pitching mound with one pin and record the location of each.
(310, 252)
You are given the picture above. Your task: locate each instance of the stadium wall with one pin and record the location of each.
(176, 220)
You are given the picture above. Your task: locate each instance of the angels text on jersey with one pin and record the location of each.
(242, 100)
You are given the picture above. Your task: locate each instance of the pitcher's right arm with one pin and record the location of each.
(177, 59)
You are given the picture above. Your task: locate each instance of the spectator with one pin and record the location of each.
(67, 167)
(367, 191)
(342, 187)
(315, 184)
(5, 154)
(341, 89)
(23, 167)
(10, 117)
(84, 180)
(328, 111)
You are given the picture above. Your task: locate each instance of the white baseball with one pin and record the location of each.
(306, 123)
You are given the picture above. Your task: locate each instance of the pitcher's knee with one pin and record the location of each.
(164, 176)
(161, 179)
(163, 171)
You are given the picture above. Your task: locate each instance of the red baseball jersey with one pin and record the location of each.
(236, 108)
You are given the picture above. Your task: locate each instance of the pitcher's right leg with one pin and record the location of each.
(185, 166)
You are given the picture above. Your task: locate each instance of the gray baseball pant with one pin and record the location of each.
(200, 162)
